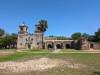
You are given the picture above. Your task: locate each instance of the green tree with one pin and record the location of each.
(43, 27)
(85, 35)
(76, 36)
(97, 36)
(91, 38)
(2, 32)
(61, 37)
(14, 34)
(10, 41)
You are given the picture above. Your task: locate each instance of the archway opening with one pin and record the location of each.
(68, 46)
(50, 46)
(91, 45)
(29, 46)
(58, 46)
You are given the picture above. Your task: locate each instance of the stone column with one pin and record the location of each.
(64, 46)
(55, 46)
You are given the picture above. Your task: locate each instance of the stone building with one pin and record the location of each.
(26, 40)
(31, 41)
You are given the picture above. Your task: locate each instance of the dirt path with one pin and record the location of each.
(7, 52)
(36, 64)
(56, 51)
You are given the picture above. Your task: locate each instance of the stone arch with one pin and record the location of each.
(58, 46)
(91, 45)
(49, 46)
(68, 46)
(29, 46)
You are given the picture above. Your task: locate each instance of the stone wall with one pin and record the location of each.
(95, 46)
(58, 44)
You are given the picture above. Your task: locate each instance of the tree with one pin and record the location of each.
(97, 36)
(43, 27)
(2, 32)
(76, 36)
(85, 35)
(14, 34)
(9, 41)
(91, 38)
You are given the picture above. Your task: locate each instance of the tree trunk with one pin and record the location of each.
(42, 40)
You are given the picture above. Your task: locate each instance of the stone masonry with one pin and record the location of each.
(31, 41)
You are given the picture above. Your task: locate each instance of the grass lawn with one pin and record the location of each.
(92, 60)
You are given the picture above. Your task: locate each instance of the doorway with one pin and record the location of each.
(58, 46)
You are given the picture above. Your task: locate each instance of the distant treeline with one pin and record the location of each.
(7, 40)
(77, 35)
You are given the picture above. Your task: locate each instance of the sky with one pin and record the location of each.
(64, 17)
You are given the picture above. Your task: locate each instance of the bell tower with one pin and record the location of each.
(38, 36)
(22, 36)
(23, 28)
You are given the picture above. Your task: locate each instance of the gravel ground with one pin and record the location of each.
(2, 52)
(36, 65)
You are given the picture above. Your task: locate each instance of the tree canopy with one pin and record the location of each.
(43, 25)
(9, 41)
(60, 37)
(85, 35)
(97, 36)
(2, 32)
(76, 35)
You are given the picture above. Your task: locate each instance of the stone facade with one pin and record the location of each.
(94, 46)
(26, 40)
(58, 44)
(31, 41)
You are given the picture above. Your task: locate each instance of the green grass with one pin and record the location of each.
(90, 59)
